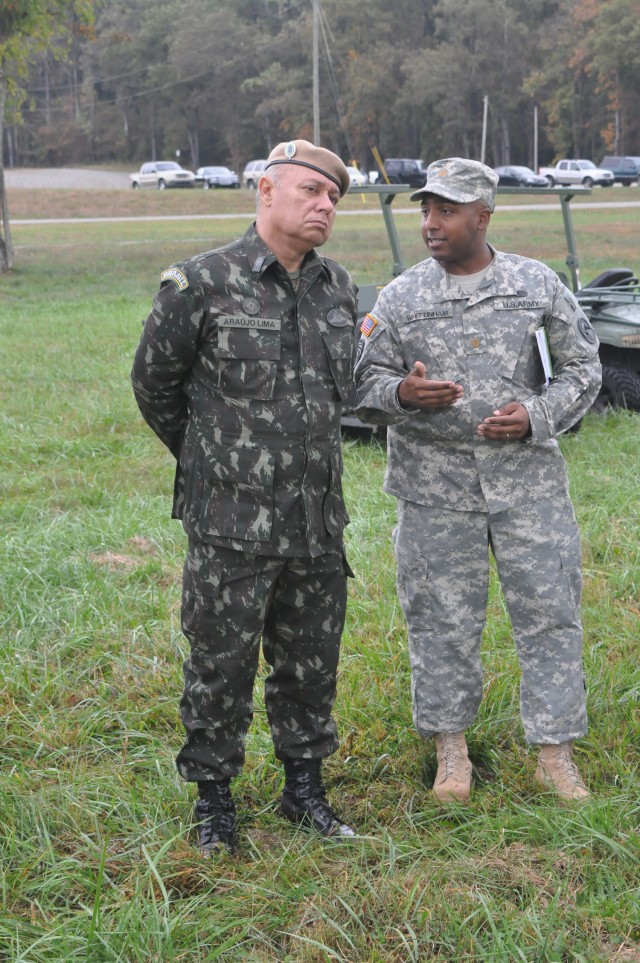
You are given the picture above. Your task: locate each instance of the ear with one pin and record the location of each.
(484, 216)
(265, 189)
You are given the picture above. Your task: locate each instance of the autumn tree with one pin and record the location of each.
(27, 26)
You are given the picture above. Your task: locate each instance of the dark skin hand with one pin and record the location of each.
(418, 392)
(510, 423)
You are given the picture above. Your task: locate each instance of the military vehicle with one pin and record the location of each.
(611, 301)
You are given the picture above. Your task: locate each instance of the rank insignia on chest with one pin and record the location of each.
(368, 325)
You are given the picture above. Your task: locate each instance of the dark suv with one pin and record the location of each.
(404, 170)
(625, 170)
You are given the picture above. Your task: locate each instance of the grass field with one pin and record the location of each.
(96, 857)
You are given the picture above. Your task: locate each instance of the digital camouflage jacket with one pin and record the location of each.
(487, 342)
(243, 378)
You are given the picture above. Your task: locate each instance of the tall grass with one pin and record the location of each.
(96, 854)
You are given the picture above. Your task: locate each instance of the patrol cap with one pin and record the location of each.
(319, 159)
(460, 180)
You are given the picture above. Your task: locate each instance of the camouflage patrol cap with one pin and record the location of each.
(319, 159)
(460, 180)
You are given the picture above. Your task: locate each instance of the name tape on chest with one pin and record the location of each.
(433, 314)
(519, 304)
(240, 321)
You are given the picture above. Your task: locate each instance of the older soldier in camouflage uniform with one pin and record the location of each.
(243, 365)
(453, 359)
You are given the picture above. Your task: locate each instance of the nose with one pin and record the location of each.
(325, 202)
(430, 218)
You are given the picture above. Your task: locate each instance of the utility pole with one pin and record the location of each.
(485, 101)
(316, 73)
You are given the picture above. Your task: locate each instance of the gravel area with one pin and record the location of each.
(65, 177)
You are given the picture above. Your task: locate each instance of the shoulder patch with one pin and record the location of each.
(368, 325)
(586, 330)
(177, 276)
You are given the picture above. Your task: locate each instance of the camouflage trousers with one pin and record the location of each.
(230, 603)
(443, 577)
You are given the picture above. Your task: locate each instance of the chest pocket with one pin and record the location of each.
(248, 358)
(339, 344)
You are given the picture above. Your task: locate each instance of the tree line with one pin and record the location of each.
(223, 81)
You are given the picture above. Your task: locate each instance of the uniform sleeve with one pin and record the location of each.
(379, 368)
(577, 374)
(164, 357)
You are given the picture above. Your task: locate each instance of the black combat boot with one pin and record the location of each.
(304, 800)
(215, 815)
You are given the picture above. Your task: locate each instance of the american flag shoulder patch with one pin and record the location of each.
(368, 325)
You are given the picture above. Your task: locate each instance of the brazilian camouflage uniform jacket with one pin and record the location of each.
(486, 342)
(243, 379)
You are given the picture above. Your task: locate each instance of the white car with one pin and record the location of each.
(251, 173)
(162, 174)
(217, 177)
(358, 179)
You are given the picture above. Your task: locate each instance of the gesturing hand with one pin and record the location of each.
(417, 391)
(510, 423)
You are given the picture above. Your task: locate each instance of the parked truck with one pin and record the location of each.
(575, 173)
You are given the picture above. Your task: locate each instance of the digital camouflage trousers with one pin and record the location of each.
(443, 579)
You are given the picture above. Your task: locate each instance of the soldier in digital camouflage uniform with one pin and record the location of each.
(242, 369)
(451, 358)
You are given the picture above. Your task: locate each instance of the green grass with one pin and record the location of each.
(96, 857)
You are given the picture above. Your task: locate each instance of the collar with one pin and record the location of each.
(501, 280)
(261, 257)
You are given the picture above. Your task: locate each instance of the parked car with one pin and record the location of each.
(625, 170)
(567, 173)
(251, 173)
(357, 177)
(404, 170)
(161, 174)
(518, 176)
(217, 177)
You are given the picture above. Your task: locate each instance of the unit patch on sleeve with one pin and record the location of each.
(177, 276)
(586, 330)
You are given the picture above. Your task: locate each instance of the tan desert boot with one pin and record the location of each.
(558, 772)
(453, 778)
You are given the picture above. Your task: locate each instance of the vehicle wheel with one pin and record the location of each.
(135, 186)
(237, 186)
(550, 180)
(251, 186)
(161, 185)
(620, 389)
(587, 182)
(206, 185)
(638, 180)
